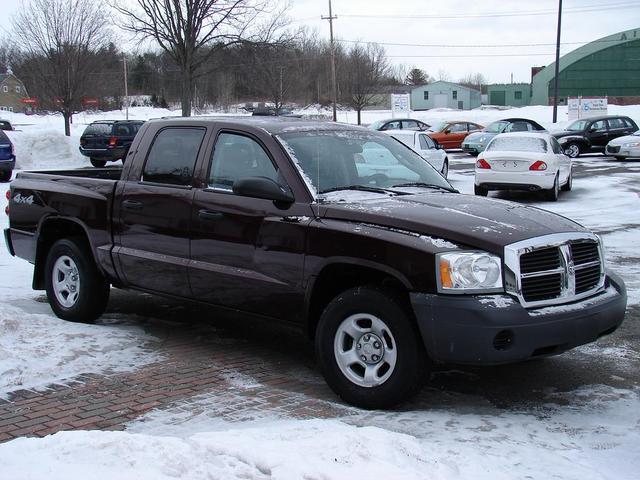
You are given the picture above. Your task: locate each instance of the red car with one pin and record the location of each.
(451, 134)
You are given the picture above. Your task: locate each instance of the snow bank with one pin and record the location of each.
(37, 350)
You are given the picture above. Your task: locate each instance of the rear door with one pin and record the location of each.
(96, 136)
(153, 211)
(617, 128)
(247, 253)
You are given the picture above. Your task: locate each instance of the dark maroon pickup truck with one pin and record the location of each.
(344, 232)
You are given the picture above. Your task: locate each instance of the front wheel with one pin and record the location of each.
(369, 351)
(76, 289)
(98, 163)
(572, 150)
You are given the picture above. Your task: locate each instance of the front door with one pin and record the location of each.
(598, 134)
(154, 214)
(246, 253)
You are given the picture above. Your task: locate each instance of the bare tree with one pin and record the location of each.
(363, 73)
(191, 31)
(474, 80)
(444, 76)
(58, 41)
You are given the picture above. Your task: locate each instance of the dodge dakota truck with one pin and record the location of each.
(343, 232)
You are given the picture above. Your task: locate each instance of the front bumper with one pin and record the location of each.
(496, 329)
(474, 148)
(619, 151)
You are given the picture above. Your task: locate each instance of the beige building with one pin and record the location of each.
(12, 91)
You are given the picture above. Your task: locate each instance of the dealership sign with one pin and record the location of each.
(584, 107)
(400, 102)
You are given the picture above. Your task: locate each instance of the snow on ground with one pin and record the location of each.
(590, 433)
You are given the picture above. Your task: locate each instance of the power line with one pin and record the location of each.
(504, 45)
(582, 9)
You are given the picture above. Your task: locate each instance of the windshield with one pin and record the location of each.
(495, 127)
(376, 125)
(438, 127)
(517, 144)
(331, 160)
(577, 126)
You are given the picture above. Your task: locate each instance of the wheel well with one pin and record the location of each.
(50, 232)
(337, 278)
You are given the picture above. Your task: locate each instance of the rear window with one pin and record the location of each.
(98, 129)
(126, 129)
(518, 144)
(4, 138)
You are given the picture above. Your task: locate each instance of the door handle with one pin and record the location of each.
(131, 205)
(210, 216)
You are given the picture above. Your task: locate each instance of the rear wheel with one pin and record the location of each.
(98, 163)
(368, 349)
(567, 186)
(483, 192)
(76, 289)
(553, 193)
(572, 150)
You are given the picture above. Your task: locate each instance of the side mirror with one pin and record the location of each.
(262, 187)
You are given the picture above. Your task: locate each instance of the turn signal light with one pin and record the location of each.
(482, 163)
(539, 165)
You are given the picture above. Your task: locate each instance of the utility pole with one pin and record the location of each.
(557, 72)
(331, 18)
(126, 88)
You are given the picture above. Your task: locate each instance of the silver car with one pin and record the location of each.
(475, 143)
(624, 147)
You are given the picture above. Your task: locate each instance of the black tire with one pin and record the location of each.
(5, 176)
(620, 159)
(552, 194)
(483, 192)
(98, 163)
(572, 150)
(92, 290)
(404, 379)
(569, 185)
(445, 168)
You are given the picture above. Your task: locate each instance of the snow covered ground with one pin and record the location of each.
(592, 432)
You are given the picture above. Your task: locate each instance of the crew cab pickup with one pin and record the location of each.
(388, 269)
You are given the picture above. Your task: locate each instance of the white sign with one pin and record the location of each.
(586, 107)
(400, 102)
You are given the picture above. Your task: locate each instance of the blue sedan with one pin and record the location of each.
(7, 158)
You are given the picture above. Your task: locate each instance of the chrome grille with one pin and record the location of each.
(554, 269)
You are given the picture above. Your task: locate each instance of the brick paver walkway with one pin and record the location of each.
(247, 370)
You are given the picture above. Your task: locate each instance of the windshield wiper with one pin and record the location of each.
(363, 188)
(425, 185)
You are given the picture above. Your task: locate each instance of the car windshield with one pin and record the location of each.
(376, 125)
(496, 127)
(98, 129)
(438, 127)
(335, 160)
(636, 133)
(517, 143)
(577, 126)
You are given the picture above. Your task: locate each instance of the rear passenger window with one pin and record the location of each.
(235, 157)
(616, 123)
(173, 156)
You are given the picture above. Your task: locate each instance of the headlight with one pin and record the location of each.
(632, 144)
(562, 140)
(468, 272)
(481, 139)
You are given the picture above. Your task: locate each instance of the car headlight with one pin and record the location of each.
(468, 272)
(481, 139)
(631, 144)
(562, 140)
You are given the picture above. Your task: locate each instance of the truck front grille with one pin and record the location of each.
(554, 269)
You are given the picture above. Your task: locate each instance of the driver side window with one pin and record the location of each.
(598, 126)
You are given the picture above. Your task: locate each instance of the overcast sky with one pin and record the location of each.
(583, 21)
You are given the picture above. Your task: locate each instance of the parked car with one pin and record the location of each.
(5, 125)
(624, 147)
(108, 140)
(523, 161)
(7, 157)
(451, 134)
(475, 143)
(274, 112)
(421, 143)
(385, 273)
(399, 124)
(593, 134)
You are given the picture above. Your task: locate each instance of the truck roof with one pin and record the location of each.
(273, 125)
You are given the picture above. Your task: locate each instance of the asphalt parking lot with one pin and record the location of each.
(232, 369)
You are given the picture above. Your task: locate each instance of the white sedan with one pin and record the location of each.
(624, 147)
(424, 146)
(523, 161)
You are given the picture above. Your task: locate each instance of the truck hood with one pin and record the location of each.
(467, 220)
